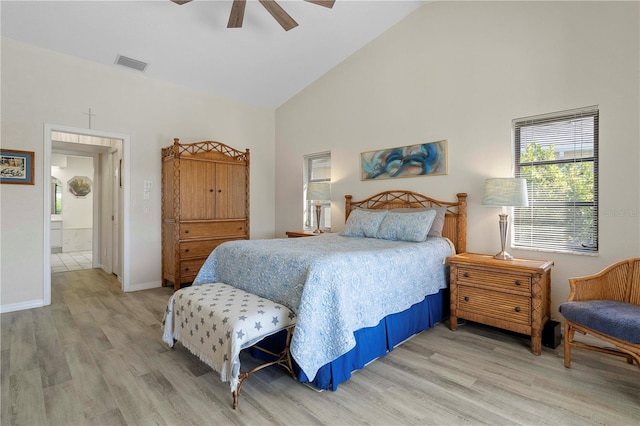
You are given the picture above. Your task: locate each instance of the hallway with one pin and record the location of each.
(72, 261)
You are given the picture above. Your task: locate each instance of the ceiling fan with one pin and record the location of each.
(283, 18)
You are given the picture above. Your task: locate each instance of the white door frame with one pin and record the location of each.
(126, 139)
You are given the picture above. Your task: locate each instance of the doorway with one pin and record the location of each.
(109, 153)
(75, 185)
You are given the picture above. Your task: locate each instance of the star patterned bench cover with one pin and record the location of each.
(216, 321)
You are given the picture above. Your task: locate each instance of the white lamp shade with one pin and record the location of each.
(319, 191)
(505, 192)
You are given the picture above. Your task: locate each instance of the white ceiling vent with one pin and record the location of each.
(131, 63)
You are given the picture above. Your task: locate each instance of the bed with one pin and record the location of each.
(338, 285)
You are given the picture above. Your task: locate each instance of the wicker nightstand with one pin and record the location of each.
(509, 294)
(298, 234)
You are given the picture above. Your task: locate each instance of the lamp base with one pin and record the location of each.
(503, 255)
(504, 229)
(318, 213)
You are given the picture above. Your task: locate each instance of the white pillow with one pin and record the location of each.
(407, 226)
(363, 223)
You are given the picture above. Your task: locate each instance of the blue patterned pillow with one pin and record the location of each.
(407, 226)
(363, 223)
(438, 222)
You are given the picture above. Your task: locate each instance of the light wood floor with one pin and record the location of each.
(95, 356)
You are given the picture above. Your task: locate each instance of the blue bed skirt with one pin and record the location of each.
(375, 342)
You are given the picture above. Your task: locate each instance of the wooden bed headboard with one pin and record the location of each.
(455, 219)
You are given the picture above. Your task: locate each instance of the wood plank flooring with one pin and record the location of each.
(96, 357)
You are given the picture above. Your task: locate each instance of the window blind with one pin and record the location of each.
(558, 155)
(317, 168)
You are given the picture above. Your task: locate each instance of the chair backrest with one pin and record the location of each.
(634, 281)
(620, 281)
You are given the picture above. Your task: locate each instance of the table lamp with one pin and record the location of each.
(318, 192)
(505, 192)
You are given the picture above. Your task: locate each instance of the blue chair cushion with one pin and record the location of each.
(616, 319)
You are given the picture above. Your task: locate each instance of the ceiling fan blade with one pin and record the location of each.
(279, 14)
(237, 14)
(325, 3)
(180, 1)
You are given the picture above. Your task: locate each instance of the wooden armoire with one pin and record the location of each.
(205, 202)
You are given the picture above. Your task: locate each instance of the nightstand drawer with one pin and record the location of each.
(508, 307)
(499, 279)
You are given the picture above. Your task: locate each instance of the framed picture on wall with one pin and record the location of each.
(16, 167)
(425, 159)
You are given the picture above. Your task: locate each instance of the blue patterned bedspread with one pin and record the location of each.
(335, 284)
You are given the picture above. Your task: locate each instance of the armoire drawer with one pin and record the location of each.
(194, 230)
(503, 306)
(201, 248)
(498, 279)
(189, 268)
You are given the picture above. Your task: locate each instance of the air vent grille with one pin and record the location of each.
(131, 63)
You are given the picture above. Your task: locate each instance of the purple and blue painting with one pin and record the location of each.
(427, 159)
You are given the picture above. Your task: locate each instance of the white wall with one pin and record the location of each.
(459, 71)
(40, 86)
(462, 71)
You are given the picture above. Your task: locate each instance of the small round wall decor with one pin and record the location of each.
(80, 186)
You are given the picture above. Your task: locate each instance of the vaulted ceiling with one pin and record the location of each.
(191, 45)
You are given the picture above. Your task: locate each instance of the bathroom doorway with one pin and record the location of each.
(92, 201)
(74, 188)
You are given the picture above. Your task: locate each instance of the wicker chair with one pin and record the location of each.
(605, 305)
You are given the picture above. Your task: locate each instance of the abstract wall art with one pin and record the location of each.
(426, 159)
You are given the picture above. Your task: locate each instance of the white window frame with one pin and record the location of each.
(311, 161)
(556, 220)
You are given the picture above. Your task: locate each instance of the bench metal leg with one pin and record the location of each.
(283, 359)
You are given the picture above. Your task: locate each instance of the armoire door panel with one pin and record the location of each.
(197, 190)
(230, 202)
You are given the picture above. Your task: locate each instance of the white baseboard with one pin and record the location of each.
(22, 306)
(145, 286)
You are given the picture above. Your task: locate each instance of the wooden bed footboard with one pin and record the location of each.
(455, 221)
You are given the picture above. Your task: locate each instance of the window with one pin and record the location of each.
(317, 168)
(558, 155)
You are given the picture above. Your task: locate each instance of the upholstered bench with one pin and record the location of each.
(216, 321)
(605, 305)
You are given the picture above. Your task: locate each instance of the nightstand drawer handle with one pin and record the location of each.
(186, 231)
(466, 275)
(186, 251)
(466, 298)
(518, 282)
(517, 309)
